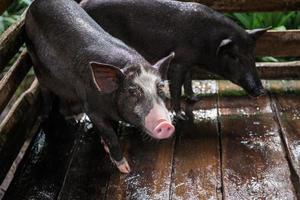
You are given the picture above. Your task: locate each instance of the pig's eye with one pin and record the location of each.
(134, 91)
(160, 85)
(160, 89)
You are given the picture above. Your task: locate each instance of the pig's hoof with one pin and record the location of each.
(122, 165)
(193, 98)
(105, 146)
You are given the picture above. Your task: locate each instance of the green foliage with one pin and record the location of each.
(12, 14)
(277, 20)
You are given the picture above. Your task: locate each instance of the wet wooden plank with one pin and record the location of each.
(250, 5)
(11, 41)
(41, 172)
(266, 70)
(254, 165)
(89, 172)
(196, 168)
(151, 165)
(16, 125)
(286, 103)
(12, 79)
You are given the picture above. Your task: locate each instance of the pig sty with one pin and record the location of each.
(198, 35)
(78, 61)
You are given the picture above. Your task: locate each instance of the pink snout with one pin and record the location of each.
(163, 130)
(158, 123)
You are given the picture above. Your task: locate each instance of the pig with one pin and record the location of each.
(75, 59)
(198, 35)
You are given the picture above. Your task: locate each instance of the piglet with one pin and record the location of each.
(75, 59)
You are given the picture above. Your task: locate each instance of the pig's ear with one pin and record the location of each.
(256, 33)
(224, 46)
(163, 65)
(106, 77)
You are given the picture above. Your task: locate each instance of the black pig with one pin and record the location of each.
(197, 34)
(78, 61)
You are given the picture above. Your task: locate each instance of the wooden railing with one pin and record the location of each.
(17, 124)
(250, 5)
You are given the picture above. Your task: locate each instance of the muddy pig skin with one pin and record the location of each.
(78, 61)
(198, 35)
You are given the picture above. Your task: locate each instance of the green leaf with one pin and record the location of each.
(269, 59)
(280, 28)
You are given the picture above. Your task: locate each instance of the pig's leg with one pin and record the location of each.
(47, 102)
(111, 143)
(176, 77)
(188, 88)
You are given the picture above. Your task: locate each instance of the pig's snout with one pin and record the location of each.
(164, 130)
(158, 123)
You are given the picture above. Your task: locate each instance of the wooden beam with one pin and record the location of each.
(266, 70)
(16, 126)
(4, 4)
(250, 5)
(279, 43)
(12, 79)
(10, 41)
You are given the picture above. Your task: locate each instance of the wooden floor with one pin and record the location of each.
(236, 147)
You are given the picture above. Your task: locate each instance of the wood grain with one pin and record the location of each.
(254, 163)
(10, 41)
(266, 70)
(279, 43)
(16, 126)
(12, 79)
(196, 168)
(41, 173)
(250, 5)
(286, 104)
(151, 165)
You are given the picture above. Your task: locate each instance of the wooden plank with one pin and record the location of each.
(279, 43)
(4, 4)
(253, 157)
(196, 168)
(89, 171)
(250, 5)
(286, 103)
(16, 125)
(40, 174)
(280, 70)
(151, 165)
(12, 79)
(266, 70)
(11, 40)
(11, 173)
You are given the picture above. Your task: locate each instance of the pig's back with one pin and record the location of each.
(64, 39)
(156, 27)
